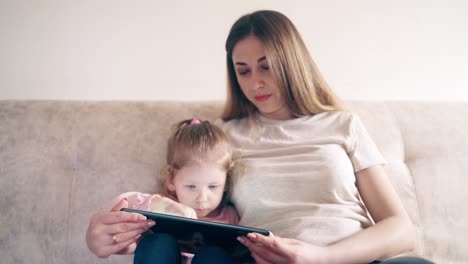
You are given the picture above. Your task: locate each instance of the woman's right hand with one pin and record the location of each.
(115, 232)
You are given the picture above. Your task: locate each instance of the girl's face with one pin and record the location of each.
(200, 187)
(256, 80)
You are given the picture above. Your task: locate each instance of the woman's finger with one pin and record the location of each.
(114, 248)
(126, 227)
(269, 241)
(260, 250)
(259, 259)
(119, 217)
(125, 236)
(128, 250)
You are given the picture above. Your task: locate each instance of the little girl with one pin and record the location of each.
(197, 175)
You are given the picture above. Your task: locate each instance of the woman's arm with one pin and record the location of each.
(126, 227)
(392, 234)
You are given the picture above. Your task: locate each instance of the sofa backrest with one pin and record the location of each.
(61, 161)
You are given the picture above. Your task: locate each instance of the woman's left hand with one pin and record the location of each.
(273, 249)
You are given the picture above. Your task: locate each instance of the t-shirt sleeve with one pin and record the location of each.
(136, 200)
(364, 152)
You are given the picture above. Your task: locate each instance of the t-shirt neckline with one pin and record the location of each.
(268, 121)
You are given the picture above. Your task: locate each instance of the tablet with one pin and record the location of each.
(193, 233)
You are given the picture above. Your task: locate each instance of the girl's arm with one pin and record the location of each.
(155, 203)
(165, 205)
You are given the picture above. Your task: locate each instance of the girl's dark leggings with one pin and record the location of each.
(163, 249)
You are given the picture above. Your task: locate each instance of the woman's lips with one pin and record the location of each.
(261, 98)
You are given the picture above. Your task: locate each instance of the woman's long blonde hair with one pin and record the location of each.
(302, 86)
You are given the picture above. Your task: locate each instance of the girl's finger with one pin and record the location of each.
(122, 204)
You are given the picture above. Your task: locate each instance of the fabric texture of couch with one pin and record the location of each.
(61, 161)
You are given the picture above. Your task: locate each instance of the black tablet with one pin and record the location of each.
(193, 233)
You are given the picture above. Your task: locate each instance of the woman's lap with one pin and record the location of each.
(163, 248)
(404, 260)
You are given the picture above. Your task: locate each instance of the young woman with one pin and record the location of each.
(315, 171)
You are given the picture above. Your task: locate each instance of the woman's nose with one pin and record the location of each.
(258, 82)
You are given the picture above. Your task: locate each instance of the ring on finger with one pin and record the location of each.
(114, 239)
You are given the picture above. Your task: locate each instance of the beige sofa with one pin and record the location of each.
(60, 161)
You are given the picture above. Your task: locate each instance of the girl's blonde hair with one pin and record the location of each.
(192, 143)
(302, 86)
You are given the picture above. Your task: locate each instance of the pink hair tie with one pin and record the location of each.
(195, 122)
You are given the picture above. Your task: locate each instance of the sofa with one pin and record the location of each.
(62, 161)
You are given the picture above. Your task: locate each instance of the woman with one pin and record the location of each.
(321, 159)
(312, 173)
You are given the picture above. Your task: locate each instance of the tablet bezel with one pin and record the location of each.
(194, 233)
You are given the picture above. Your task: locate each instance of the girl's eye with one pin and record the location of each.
(213, 186)
(191, 187)
(265, 67)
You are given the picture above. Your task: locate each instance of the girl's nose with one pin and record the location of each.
(202, 196)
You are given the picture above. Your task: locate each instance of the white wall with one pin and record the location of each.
(174, 50)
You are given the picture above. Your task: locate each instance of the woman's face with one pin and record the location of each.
(256, 80)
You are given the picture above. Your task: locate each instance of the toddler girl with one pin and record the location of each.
(197, 175)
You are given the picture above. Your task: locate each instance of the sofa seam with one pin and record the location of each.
(418, 210)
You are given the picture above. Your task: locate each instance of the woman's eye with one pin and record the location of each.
(192, 187)
(213, 186)
(244, 72)
(265, 67)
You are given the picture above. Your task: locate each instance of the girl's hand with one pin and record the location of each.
(164, 205)
(273, 249)
(115, 232)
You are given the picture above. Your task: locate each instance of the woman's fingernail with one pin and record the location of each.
(151, 223)
(137, 236)
(241, 239)
(251, 235)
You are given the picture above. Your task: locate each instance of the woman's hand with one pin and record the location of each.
(161, 204)
(115, 232)
(273, 249)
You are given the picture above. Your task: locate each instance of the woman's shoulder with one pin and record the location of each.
(238, 123)
(335, 118)
(341, 114)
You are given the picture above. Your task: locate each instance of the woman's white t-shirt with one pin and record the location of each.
(298, 178)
